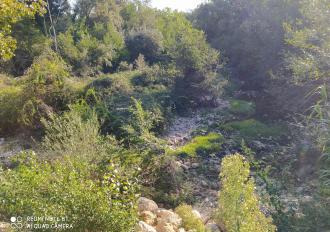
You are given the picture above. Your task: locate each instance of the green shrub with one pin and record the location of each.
(166, 181)
(11, 103)
(252, 128)
(116, 92)
(241, 107)
(315, 216)
(73, 189)
(201, 145)
(145, 42)
(44, 88)
(75, 132)
(190, 221)
(238, 204)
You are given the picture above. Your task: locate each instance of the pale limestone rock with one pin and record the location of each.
(144, 227)
(197, 214)
(145, 204)
(163, 226)
(148, 217)
(168, 216)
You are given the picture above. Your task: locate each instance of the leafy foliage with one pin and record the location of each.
(76, 132)
(44, 88)
(10, 12)
(10, 104)
(250, 34)
(147, 42)
(310, 40)
(72, 190)
(238, 204)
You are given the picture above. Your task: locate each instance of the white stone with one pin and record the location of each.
(144, 227)
(168, 216)
(197, 214)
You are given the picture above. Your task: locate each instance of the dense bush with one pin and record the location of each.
(315, 215)
(198, 62)
(249, 33)
(147, 43)
(309, 39)
(239, 209)
(44, 89)
(11, 103)
(149, 86)
(75, 132)
(168, 184)
(73, 189)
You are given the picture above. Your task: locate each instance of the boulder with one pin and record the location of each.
(145, 204)
(148, 217)
(167, 216)
(163, 226)
(197, 214)
(144, 227)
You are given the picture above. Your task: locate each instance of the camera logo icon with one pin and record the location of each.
(16, 222)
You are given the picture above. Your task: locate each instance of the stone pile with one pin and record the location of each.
(155, 219)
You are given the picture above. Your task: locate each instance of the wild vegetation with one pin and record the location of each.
(222, 110)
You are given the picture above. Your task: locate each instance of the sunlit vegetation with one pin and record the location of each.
(201, 145)
(252, 129)
(238, 203)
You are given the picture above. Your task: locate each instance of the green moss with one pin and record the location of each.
(252, 128)
(242, 107)
(201, 145)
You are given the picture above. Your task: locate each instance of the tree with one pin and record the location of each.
(309, 38)
(94, 41)
(146, 42)
(12, 11)
(44, 89)
(187, 48)
(249, 33)
(238, 203)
